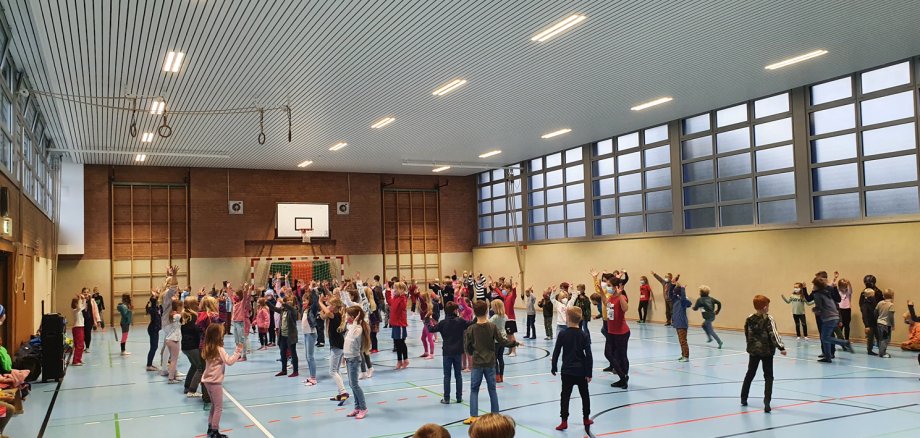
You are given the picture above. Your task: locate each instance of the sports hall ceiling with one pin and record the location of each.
(342, 65)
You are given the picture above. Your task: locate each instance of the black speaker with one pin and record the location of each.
(52, 324)
(52, 356)
(4, 201)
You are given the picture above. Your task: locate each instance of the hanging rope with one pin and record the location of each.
(261, 126)
(133, 129)
(289, 122)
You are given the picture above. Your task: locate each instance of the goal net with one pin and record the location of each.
(305, 268)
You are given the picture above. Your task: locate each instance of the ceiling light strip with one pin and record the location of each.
(555, 133)
(440, 169)
(652, 103)
(382, 122)
(490, 154)
(338, 146)
(455, 164)
(796, 59)
(151, 154)
(173, 62)
(453, 85)
(559, 27)
(305, 163)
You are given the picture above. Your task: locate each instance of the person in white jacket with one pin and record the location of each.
(561, 303)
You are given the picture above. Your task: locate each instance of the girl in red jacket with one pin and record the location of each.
(398, 324)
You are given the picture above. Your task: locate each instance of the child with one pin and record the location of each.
(466, 312)
(334, 323)
(451, 330)
(584, 303)
(547, 305)
(645, 297)
(479, 342)
(498, 318)
(153, 328)
(241, 310)
(617, 343)
(77, 306)
(287, 336)
(576, 367)
(679, 304)
(425, 309)
(398, 324)
(530, 302)
(127, 314)
(913, 341)
(215, 358)
(172, 332)
(884, 314)
(710, 307)
(357, 342)
(798, 301)
(762, 341)
(431, 430)
(868, 300)
(308, 327)
(561, 303)
(191, 340)
(493, 426)
(262, 323)
(666, 285)
(508, 295)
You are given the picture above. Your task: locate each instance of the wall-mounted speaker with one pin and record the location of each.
(235, 207)
(343, 208)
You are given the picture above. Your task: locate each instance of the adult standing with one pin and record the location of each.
(826, 299)
(618, 333)
(90, 318)
(846, 312)
(666, 285)
(870, 298)
(100, 305)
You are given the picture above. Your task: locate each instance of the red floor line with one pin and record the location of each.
(879, 394)
(295, 417)
(402, 398)
(273, 421)
(381, 402)
(714, 417)
(249, 425)
(318, 413)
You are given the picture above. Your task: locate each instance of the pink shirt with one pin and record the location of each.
(242, 308)
(214, 369)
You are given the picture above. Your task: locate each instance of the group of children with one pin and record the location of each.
(479, 323)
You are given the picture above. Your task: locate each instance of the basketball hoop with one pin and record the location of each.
(305, 234)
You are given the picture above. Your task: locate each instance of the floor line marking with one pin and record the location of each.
(248, 414)
(117, 427)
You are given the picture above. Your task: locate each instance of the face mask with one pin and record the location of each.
(609, 290)
(797, 290)
(668, 279)
(641, 281)
(564, 301)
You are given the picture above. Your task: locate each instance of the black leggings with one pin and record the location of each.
(402, 352)
(287, 350)
(320, 331)
(568, 381)
(753, 363)
(499, 359)
(846, 315)
(263, 338)
(154, 342)
(643, 310)
(88, 334)
(800, 321)
(373, 341)
(271, 330)
(366, 362)
(620, 358)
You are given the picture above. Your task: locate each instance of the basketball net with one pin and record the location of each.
(305, 234)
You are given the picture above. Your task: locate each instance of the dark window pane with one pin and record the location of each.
(656, 134)
(485, 192)
(701, 194)
(771, 105)
(538, 233)
(776, 212)
(892, 201)
(700, 218)
(890, 139)
(630, 204)
(498, 205)
(887, 108)
(485, 221)
(536, 164)
(834, 177)
(833, 119)
(775, 158)
(734, 140)
(605, 207)
(500, 236)
(498, 189)
(698, 171)
(658, 178)
(699, 123)
(627, 141)
(484, 177)
(604, 187)
(733, 215)
(834, 148)
(736, 190)
(603, 148)
(658, 222)
(831, 91)
(780, 184)
(603, 167)
(885, 77)
(735, 165)
(536, 198)
(660, 200)
(576, 229)
(697, 148)
(605, 227)
(630, 183)
(554, 196)
(485, 238)
(730, 116)
(891, 170)
(631, 224)
(841, 206)
(773, 132)
(485, 207)
(658, 156)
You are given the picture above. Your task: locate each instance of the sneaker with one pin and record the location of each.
(563, 425)
(164, 373)
(798, 338)
(709, 340)
(445, 401)
(152, 368)
(352, 414)
(608, 369)
(459, 400)
(361, 414)
(321, 345)
(470, 420)
(872, 353)
(282, 373)
(178, 375)
(683, 359)
(743, 402)
(766, 408)
(77, 364)
(173, 381)
(375, 351)
(848, 348)
(86, 350)
(886, 356)
(824, 360)
(125, 353)
(513, 354)
(294, 374)
(720, 345)
(340, 398)
(193, 394)
(588, 422)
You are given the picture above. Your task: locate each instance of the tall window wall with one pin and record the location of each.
(500, 206)
(849, 145)
(863, 138)
(631, 183)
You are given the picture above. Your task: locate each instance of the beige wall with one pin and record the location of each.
(74, 274)
(735, 265)
(42, 275)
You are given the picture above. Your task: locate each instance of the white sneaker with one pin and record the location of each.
(125, 353)
(370, 373)
(193, 394)
(513, 354)
(152, 368)
(362, 376)
(178, 374)
(173, 381)
(798, 338)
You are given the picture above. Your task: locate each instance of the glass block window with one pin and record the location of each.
(737, 165)
(500, 206)
(863, 144)
(631, 183)
(556, 196)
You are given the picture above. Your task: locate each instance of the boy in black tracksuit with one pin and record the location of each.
(576, 366)
(451, 330)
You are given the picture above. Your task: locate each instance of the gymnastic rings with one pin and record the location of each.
(164, 130)
(133, 129)
(261, 137)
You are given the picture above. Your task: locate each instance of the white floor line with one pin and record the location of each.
(248, 414)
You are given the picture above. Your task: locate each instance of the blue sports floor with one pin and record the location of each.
(857, 395)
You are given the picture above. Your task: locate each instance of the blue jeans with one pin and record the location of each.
(454, 362)
(475, 381)
(560, 329)
(240, 336)
(710, 332)
(827, 337)
(309, 343)
(353, 364)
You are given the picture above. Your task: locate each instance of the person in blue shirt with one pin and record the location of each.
(677, 295)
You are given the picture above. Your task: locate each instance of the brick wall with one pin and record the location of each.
(215, 233)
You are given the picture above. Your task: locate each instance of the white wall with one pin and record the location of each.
(71, 236)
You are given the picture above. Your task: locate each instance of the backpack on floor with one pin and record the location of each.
(29, 357)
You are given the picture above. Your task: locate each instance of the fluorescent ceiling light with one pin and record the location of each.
(140, 158)
(451, 86)
(440, 169)
(305, 163)
(490, 154)
(555, 133)
(173, 62)
(796, 59)
(205, 154)
(650, 104)
(147, 137)
(338, 146)
(382, 122)
(457, 164)
(559, 27)
(157, 107)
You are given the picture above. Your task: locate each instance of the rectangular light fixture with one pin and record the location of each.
(490, 154)
(440, 169)
(555, 133)
(382, 122)
(157, 107)
(559, 27)
(652, 103)
(140, 158)
(338, 146)
(147, 137)
(796, 59)
(305, 163)
(173, 62)
(450, 86)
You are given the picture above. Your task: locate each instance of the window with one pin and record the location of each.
(863, 145)
(740, 172)
(631, 183)
(500, 201)
(556, 196)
